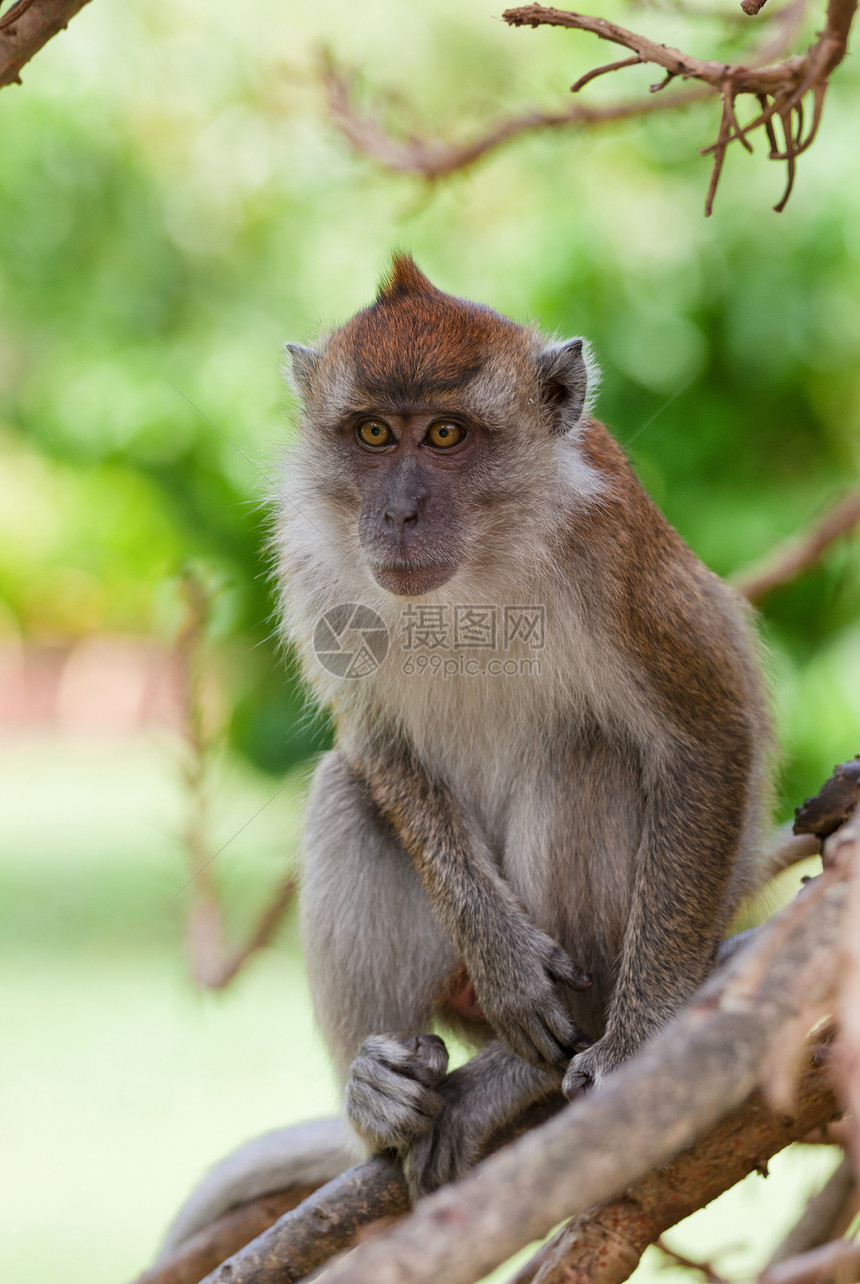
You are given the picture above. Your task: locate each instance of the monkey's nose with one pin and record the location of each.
(401, 516)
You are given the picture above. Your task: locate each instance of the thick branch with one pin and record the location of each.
(680, 1086)
(798, 554)
(604, 1245)
(26, 27)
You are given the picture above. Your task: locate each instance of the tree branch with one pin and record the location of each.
(26, 27)
(604, 1244)
(434, 158)
(703, 1066)
(798, 554)
(785, 83)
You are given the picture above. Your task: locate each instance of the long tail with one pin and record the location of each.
(304, 1154)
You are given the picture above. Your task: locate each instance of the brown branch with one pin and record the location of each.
(705, 1269)
(833, 805)
(434, 158)
(786, 82)
(604, 1244)
(601, 71)
(746, 78)
(697, 1071)
(800, 553)
(26, 27)
(826, 1216)
(836, 1263)
(753, 7)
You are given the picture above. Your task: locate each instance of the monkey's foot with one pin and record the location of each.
(591, 1067)
(453, 1143)
(390, 1095)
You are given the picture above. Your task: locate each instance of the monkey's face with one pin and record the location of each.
(431, 432)
(412, 472)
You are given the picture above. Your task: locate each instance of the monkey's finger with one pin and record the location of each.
(571, 1037)
(549, 1040)
(561, 968)
(577, 1085)
(423, 1057)
(431, 1058)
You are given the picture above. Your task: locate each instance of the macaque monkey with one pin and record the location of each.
(541, 855)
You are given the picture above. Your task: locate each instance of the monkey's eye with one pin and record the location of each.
(444, 435)
(373, 432)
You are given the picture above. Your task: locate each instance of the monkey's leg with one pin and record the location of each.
(514, 966)
(694, 826)
(477, 1099)
(377, 962)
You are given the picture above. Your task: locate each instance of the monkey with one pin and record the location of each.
(543, 863)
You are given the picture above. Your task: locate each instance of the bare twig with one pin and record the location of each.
(635, 61)
(26, 27)
(705, 1269)
(434, 158)
(835, 1263)
(213, 962)
(703, 1066)
(798, 554)
(826, 1216)
(780, 87)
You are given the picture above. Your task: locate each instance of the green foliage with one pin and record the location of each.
(174, 205)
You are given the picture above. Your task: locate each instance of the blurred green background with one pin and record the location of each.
(174, 204)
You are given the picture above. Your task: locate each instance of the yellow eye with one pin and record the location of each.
(444, 435)
(373, 432)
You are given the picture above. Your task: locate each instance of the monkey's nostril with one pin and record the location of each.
(399, 520)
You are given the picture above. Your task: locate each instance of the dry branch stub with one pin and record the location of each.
(26, 27)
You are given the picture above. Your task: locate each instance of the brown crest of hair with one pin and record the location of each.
(415, 340)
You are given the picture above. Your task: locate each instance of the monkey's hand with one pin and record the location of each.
(591, 1067)
(390, 1094)
(517, 989)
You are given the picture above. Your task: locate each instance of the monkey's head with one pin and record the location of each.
(433, 422)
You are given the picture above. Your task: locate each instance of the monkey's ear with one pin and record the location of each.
(299, 367)
(563, 374)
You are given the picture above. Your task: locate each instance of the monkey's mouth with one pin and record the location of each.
(412, 579)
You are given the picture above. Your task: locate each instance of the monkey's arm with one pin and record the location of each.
(514, 967)
(696, 810)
